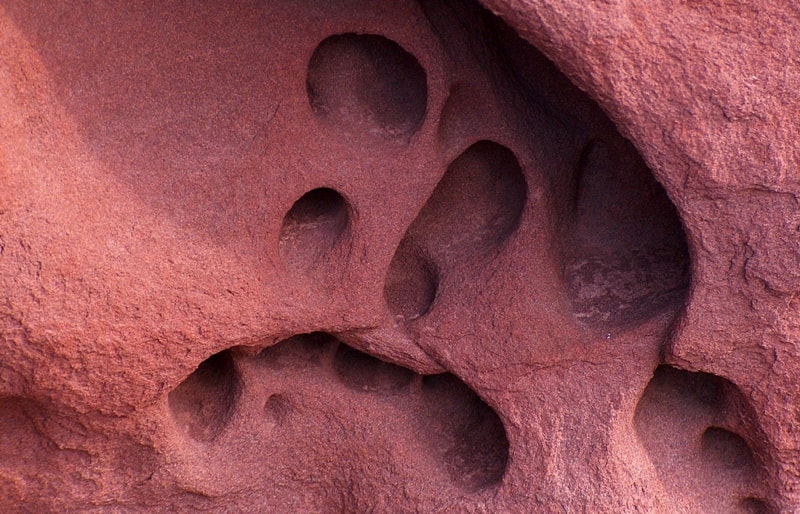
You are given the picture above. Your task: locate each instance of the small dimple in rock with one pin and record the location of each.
(276, 409)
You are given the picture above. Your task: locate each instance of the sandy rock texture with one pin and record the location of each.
(399, 256)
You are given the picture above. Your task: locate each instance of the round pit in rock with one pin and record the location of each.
(726, 450)
(678, 421)
(367, 85)
(472, 436)
(313, 226)
(203, 404)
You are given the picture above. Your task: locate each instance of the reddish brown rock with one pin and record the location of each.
(384, 256)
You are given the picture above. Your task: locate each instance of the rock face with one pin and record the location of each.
(374, 256)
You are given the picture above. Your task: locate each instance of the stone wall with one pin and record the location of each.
(399, 256)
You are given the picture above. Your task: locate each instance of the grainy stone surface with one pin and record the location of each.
(385, 257)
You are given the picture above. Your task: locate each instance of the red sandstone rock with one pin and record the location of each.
(384, 256)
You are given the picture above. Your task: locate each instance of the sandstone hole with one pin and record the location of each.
(313, 226)
(202, 404)
(367, 85)
(411, 283)
(363, 372)
(440, 413)
(627, 256)
(753, 506)
(476, 205)
(725, 449)
(678, 421)
(276, 410)
(299, 351)
(463, 432)
(475, 443)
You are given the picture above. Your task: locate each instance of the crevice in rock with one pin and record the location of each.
(363, 372)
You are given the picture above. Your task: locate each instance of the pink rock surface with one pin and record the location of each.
(392, 257)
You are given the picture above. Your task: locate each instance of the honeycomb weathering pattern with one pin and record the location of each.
(383, 256)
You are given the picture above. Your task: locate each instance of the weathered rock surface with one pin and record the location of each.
(385, 257)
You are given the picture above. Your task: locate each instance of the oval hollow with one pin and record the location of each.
(367, 84)
(472, 434)
(203, 403)
(726, 450)
(276, 409)
(476, 205)
(627, 257)
(672, 421)
(411, 284)
(313, 226)
(474, 208)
